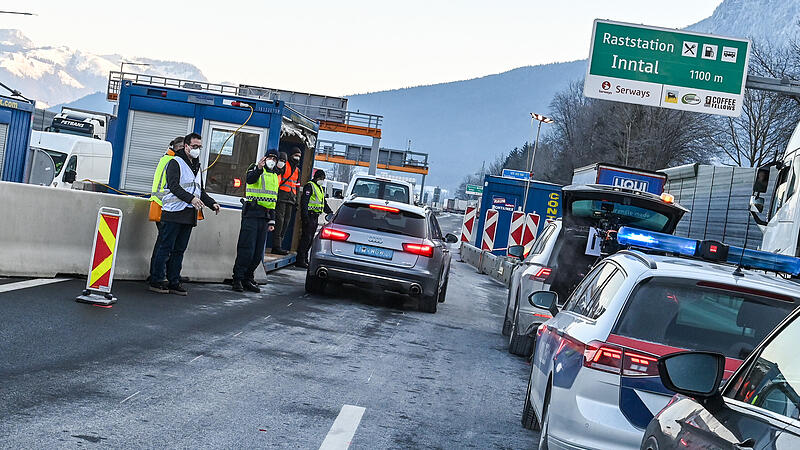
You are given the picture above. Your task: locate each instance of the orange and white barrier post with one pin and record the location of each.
(516, 230)
(489, 230)
(104, 255)
(468, 225)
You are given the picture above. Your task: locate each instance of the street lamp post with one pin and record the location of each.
(542, 119)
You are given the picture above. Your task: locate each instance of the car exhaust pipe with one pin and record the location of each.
(415, 289)
(322, 273)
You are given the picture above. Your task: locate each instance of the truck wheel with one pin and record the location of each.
(314, 285)
(518, 344)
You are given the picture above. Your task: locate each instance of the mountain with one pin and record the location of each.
(92, 102)
(54, 75)
(771, 21)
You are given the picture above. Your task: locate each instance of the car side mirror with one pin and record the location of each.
(69, 176)
(328, 217)
(450, 238)
(762, 180)
(546, 300)
(516, 251)
(756, 204)
(693, 374)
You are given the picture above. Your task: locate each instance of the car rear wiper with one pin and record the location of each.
(387, 230)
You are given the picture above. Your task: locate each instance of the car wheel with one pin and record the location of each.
(506, 322)
(519, 344)
(529, 420)
(650, 443)
(545, 422)
(443, 294)
(428, 303)
(314, 285)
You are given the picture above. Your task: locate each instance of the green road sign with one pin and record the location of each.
(672, 69)
(474, 190)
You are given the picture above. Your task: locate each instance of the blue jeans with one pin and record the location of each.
(173, 238)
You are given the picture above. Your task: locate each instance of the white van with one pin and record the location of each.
(383, 188)
(74, 157)
(334, 189)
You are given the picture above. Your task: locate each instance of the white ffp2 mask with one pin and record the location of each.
(194, 153)
(270, 164)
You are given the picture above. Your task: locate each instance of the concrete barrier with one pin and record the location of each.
(471, 254)
(48, 231)
(498, 267)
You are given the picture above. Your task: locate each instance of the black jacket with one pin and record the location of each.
(305, 197)
(253, 209)
(187, 215)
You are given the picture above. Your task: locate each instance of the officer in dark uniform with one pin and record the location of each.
(258, 217)
(312, 204)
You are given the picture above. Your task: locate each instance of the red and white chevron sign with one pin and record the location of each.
(516, 231)
(468, 225)
(489, 230)
(531, 231)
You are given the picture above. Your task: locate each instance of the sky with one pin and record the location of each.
(344, 47)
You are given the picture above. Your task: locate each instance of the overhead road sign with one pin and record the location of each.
(517, 174)
(668, 68)
(474, 190)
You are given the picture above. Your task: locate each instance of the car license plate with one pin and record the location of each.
(375, 252)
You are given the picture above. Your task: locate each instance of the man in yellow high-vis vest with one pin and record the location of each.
(258, 218)
(312, 204)
(160, 189)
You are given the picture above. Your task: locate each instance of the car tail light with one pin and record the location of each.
(385, 208)
(609, 358)
(425, 250)
(542, 275)
(334, 235)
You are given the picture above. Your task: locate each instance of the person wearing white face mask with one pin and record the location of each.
(258, 218)
(287, 197)
(183, 199)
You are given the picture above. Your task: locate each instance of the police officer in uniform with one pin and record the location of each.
(312, 204)
(258, 217)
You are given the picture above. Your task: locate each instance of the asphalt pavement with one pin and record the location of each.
(220, 369)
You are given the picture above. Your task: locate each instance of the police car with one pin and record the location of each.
(594, 381)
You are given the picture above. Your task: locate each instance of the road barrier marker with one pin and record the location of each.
(489, 230)
(29, 284)
(103, 258)
(343, 429)
(468, 224)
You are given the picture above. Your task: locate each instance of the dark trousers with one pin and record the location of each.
(308, 231)
(283, 214)
(173, 238)
(250, 248)
(155, 248)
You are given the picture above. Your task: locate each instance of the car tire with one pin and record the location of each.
(529, 420)
(506, 322)
(650, 443)
(314, 284)
(443, 293)
(428, 303)
(518, 344)
(545, 422)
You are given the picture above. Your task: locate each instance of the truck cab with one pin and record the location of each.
(74, 157)
(80, 123)
(780, 224)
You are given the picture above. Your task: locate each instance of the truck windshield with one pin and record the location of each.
(58, 158)
(700, 315)
(385, 190)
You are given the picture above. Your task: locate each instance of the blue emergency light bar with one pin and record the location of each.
(739, 256)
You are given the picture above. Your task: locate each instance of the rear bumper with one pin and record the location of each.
(404, 280)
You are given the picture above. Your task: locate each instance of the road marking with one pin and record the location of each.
(130, 397)
(237, 334)
(268, 316)
(343, 429)
(290, 304)
(195, 358)
(29, 283)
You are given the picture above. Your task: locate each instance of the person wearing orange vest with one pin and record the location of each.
(287, 196)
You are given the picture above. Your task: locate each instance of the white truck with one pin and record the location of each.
(372, 186)
(80, 123)
(781, 227)
(74, 158)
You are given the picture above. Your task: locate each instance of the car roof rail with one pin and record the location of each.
(642, 257)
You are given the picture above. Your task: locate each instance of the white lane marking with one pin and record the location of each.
(237, 334)
(29, 283)
(290, 304)
(195, 358)
(268, 316)
(343, 429)
(130, 397)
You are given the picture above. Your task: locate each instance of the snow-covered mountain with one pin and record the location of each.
(771, 22)
(53, 75)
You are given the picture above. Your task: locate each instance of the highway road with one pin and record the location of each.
(281, 369)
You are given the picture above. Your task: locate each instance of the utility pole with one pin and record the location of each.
(542, 119)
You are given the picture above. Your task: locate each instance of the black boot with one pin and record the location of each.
(251, 286)
(279, 251)
(237, 286)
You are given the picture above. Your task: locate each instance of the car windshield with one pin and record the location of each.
(365, 187)
(362, 216)
(58, 159)
(620, 214)
(701, 315)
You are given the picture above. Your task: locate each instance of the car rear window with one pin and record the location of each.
(362, 216)
(701, 315)
(385, 190)
(619, 214)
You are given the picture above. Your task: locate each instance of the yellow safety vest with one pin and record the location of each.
(316, 204)
(159, 189)
(264, 191)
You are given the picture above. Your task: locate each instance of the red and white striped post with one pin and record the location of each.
(489, 230)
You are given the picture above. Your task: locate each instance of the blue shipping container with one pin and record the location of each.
(16, 117)
(506, 195)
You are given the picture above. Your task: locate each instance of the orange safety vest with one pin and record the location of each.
(289, 180)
